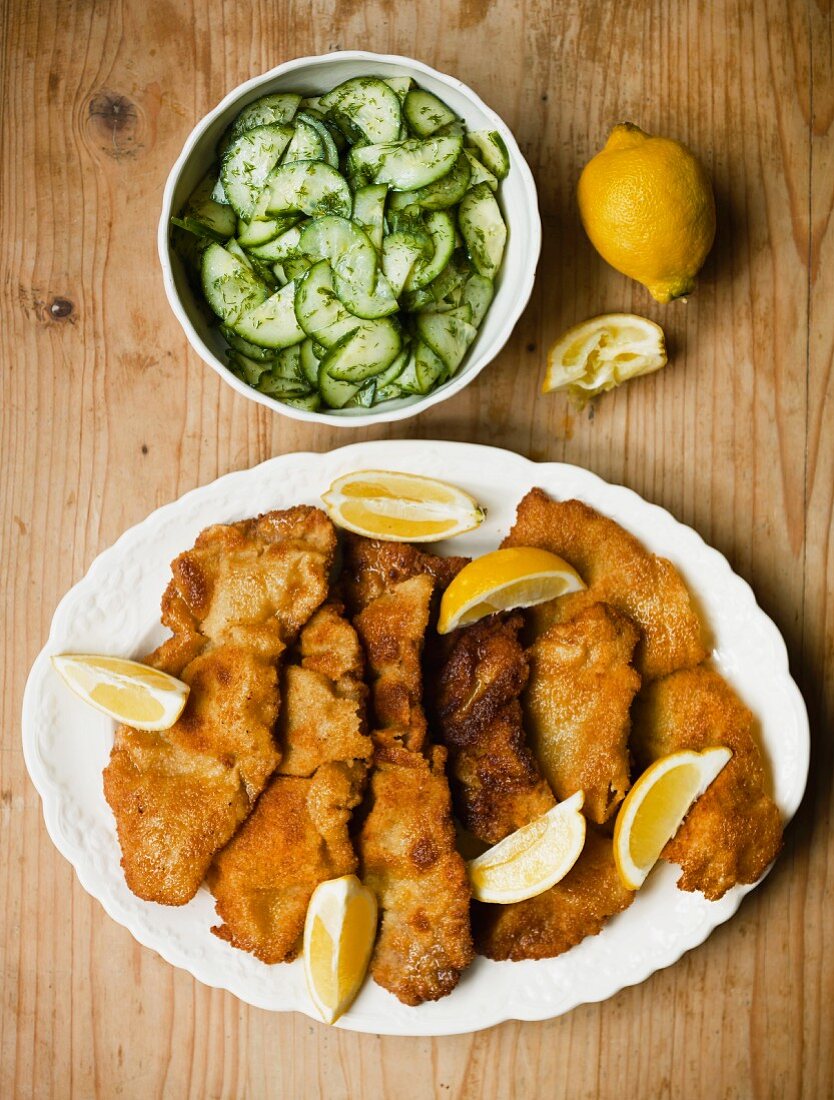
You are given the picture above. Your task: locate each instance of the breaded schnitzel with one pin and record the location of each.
(298, 834)
(555, 921)
(392, 628)
(372, 566)
(734, 831)
(496, 784)
(407, 841)
(409, 859)
(499, 788)
(234, 603)
(576, 707)
(618, 571)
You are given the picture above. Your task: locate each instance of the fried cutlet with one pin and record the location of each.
(298, 835)
(496, 783)
(372, 566)
(618, 571)
(734, 831)
(409, 859)
(558, 919)
(393, 628)
(576, 707)
(407, 841)
(499, 788)
(235, 601)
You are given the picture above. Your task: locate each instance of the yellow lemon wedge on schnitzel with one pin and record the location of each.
(339, 935)
(533, 858)
(127, 691)
(398, 507)
(654, 808)
(519, 576)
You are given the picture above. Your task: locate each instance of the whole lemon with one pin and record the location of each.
(647, 205)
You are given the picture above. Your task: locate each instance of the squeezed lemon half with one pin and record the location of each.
(603, 352)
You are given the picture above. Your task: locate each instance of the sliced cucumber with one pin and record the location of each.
(361, 287)
(445, 192)
(230, 287)
(218, 195)
(309, 187)
(247, 165)
(334, 393)
(259, 232)
(369, 211)
(218, 219)
(282, 246)
(329, 215)
(326, 136)
(318, 309)
(408, 165)
(309, 362)
(306, 143)
(479, 173)
(273, 323)
(441, 229)
(251, 351)
(407, 380)
(249, 370)
(365, 397)
(400, 252)
(399, 85)
(365, 106)
(311, 402)
(287, 366)
(392, 372)
(490, 148)
(483, 229)
(447, 334)
(478, 292)
(365, 352)
(429, 368)
(278, 108)
(296, 266)
(425, 113)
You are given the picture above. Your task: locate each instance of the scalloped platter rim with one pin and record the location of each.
(114, 609)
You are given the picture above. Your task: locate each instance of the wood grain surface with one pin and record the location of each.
(107, 414)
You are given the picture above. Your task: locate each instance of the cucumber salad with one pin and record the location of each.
(348, 242)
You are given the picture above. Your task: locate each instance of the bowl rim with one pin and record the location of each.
(523, 290)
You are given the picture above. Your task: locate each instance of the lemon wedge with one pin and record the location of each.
(654, 808)
(339, 935)
(599, 354)
(395, 507)
(533, 858)
(519, 576)
(127, 691)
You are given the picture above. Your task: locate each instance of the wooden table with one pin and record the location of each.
(106, 414)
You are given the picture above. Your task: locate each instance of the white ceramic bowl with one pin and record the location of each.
(312, 76)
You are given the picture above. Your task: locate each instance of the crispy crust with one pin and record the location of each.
(550, 924)
(734, 830)
(577, 707)
(409, 859)
(618, 571)
(235, 601)
(298, 835)
(496, 783)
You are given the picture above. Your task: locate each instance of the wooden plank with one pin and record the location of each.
(733, 437)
